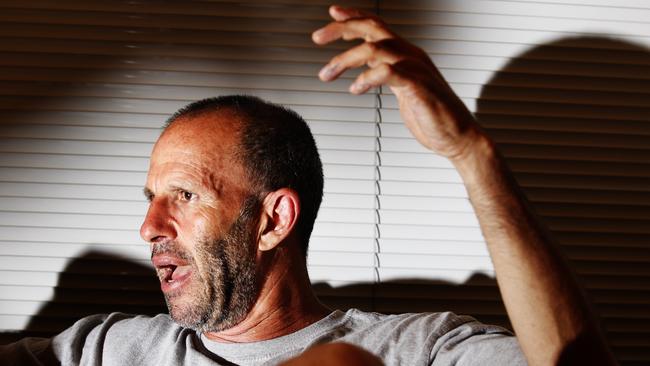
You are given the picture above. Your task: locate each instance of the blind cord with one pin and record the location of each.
(377, 177)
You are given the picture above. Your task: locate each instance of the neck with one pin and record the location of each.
(286, 303)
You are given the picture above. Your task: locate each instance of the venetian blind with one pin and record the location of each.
(562, 86)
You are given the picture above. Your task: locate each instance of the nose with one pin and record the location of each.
(158, 223)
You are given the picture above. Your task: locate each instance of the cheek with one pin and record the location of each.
(192, 226)
(204, 223)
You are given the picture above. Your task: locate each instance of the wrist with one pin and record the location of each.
(484, 172)
(478, 152)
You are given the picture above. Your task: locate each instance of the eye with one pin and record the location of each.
(186, 196)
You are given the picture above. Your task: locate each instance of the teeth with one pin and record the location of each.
(165, 273)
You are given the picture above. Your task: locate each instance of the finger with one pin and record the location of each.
(341, 14)
(368, 29)
(371, 78)
(400, 74)
(368, 53)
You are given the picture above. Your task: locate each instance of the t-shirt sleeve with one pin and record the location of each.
(474, 343)
(67, 348)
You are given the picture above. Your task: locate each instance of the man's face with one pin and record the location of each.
(202, 223)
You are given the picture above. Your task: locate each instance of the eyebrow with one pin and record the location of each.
(148, 193)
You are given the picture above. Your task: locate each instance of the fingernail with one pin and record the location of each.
(317, 34)
(327, 72)
(358, 87)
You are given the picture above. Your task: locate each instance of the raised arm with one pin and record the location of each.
(549, 314)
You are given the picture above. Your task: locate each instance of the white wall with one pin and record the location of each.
(563, 86)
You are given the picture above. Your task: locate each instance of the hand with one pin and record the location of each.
(336, 353)
(432, 112)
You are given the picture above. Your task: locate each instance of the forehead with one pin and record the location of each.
(209, 133)
(208, 136)
(206, 143)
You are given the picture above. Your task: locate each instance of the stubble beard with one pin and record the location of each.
(223, 286)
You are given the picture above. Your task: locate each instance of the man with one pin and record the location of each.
(234, 186)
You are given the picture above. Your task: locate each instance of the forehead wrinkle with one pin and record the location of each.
(213, 139)
(215, 182)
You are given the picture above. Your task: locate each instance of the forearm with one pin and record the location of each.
(543, 301)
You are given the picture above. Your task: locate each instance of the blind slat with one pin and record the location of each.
(87, 85)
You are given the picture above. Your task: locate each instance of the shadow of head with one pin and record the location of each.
(97, 282)
(572, 118)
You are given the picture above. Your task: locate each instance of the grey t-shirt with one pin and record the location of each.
(405, 339)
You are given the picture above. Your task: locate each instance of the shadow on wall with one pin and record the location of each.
(478, 296)
(572, 118)
(95, 283)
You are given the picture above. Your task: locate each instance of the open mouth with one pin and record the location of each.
(171, 271)
(166, 273)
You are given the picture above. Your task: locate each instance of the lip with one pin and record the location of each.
(178, 272)
(164, 260)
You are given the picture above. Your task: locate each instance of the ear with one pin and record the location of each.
(279, 216)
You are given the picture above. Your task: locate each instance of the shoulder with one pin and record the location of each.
(118, 325)
(436, 324)
(96, 339)
(115, 336)
(421, 338)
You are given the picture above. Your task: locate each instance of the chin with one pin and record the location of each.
(189, 310)
(205, 317)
